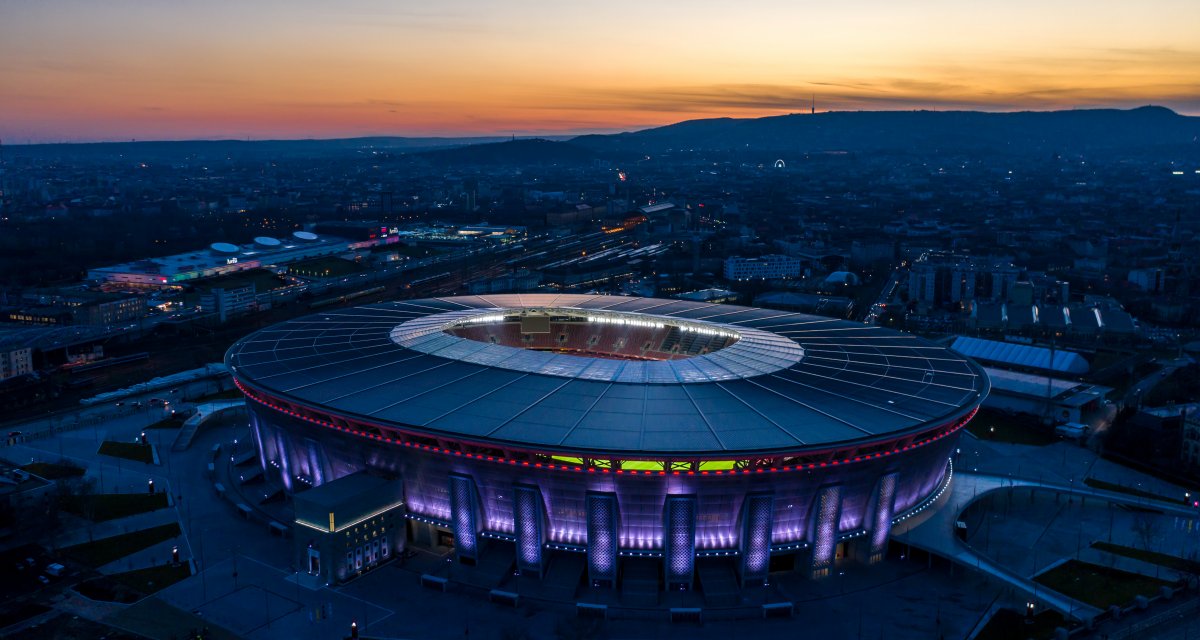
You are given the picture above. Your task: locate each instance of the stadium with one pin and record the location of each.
(614, 430)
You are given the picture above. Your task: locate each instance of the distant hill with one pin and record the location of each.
(917, 131)
(514, 152)
(922, 132)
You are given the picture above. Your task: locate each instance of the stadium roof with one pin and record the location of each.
(1021, 355)
(833, 382)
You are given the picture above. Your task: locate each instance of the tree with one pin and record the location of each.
(1146, 528)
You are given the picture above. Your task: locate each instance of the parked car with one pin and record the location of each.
(1072, 430)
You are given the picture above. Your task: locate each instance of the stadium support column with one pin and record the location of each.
(758, 513)
(602, 538)
(826, 516)
(884, 502)
(679, 542)
(464, 512)
(529, 525)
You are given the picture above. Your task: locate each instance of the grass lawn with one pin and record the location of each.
(154, 579)
(132, 586)
(105, 550)
(1099, 586)
(998, 426)
(1118, 488)
(1006, 624)
(1153, 557)
(54, 471)
(155, 618)
(127, 450)
(69, 627)
(174, 421)
(19, 612)
(110, 506)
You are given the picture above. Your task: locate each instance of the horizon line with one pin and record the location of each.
(571, 134)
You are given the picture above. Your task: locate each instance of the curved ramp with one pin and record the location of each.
(205, 412)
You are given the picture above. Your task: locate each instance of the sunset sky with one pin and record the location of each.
(179, 69)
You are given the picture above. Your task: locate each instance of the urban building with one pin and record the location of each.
(868, 252)
(229, 302)
(223, 258)
(1149, 279)
(519, 280)
(1054, 399)
(770, 267)
(78, 306)
(708, 295)
(15, 362)
(350, 525)
(942, 279)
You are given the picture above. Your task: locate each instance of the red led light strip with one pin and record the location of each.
(254, 395)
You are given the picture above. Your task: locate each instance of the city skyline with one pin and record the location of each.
(77, 72)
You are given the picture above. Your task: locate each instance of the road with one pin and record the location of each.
(885, 298)
(1138, 390)
(82, 417)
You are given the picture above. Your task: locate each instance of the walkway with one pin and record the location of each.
(204, 412)
(935, 531)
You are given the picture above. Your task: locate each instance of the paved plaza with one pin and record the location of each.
(245, 582)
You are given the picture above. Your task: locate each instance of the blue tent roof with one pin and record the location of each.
(1021, 355)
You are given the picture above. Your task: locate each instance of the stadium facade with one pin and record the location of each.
(615, 427)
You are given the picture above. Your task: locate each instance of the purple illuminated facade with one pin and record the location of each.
(819, 500)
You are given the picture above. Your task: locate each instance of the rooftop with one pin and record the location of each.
(1022, 355)
(336, 493)
(790, 381)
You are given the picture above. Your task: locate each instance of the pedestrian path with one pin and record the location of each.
(204, 412)
(935, 532)
(128, 524)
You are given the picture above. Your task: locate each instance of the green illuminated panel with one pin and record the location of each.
(716, 465)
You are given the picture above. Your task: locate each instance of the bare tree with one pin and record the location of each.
(1146, 528)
